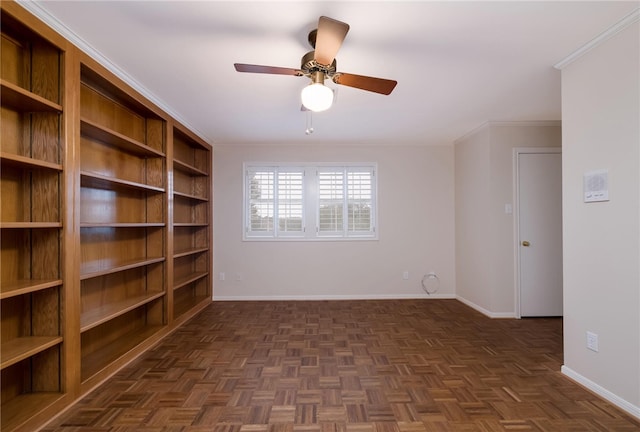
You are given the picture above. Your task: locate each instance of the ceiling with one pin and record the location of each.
(458, 64)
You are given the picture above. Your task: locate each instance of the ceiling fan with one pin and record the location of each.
(320, 64)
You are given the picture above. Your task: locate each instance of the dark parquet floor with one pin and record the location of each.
(347, 366)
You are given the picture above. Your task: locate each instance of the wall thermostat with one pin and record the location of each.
(596, 186)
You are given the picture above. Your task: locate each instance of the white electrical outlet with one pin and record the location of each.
(592, 341)
(405, 275)
(508, 209)
(221, 276)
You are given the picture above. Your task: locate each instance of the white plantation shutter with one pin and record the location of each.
(290, 204)
(261, 193)
(360, 201)
(330, 202)
(344, 204)
(275, 202)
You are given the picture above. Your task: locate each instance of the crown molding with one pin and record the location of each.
(526, 123)
(41, 13)
(506, 123)
(625, 22)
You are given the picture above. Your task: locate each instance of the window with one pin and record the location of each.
(345, 202)
(277, 204)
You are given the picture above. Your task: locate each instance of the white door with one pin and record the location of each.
(540, 233)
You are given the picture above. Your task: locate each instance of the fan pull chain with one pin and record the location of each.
(309, 129)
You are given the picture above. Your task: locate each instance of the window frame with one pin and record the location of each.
(346, 199)
(310, 202)
(275, 230)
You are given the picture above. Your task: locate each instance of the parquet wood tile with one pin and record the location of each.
(347, 366)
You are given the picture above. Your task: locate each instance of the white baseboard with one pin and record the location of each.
(602, 392)
(485, 311)
(334, 297)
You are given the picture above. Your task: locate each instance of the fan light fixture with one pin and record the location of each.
(317, 97)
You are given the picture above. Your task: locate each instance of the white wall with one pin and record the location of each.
(416, 229)
(601, 130)
(485, 265)
(504, 138)
(472, 189)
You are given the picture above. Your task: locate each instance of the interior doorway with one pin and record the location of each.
(538, 222)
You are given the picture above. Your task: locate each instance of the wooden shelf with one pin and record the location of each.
(98, 181)
(23, 100)
(189, 196)
(105, 267)
(122, 225)
(93, 363)
(21, 348)
(184, 281)
(108, 136)
(188, 169)
(180, 254)
(15, 288)
(27, 162)
(189, 225)
(95, 317)
(107, 85)
(23, 225)
(182, 305)
(21, 408)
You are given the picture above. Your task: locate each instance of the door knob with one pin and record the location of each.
(526, 243)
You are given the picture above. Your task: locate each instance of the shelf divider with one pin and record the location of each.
(104, 267)
(108, 136)
(21, 348)
(21, 408)
(27, 162)
(189, 169)
(190, 196)
(122, 225)
(25, 286)
(95, 317)
(194, 251)
(186, 280)
(98, 181)
(23, 100)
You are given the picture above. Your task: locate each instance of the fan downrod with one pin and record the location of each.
(313, 34)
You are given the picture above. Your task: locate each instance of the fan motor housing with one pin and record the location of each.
(309, 65)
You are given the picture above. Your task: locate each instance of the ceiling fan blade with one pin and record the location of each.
(241, 67)
(376, 85)
(329, 39)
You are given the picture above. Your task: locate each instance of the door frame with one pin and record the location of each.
(517, 151)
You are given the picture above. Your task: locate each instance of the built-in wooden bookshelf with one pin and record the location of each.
(101, 254)
(122, 222)
(191, 221)
(31, 223)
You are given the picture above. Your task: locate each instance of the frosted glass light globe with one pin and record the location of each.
(317, 97)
